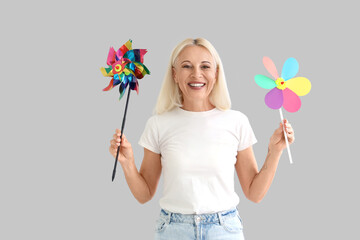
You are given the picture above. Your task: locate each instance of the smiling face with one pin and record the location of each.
(195, 72)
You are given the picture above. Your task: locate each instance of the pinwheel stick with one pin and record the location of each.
(122, 131)
(286, 140)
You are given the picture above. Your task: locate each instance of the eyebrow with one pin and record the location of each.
(201, 62)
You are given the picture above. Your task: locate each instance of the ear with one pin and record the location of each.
(174, 74)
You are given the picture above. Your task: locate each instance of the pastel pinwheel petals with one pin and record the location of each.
(274, 99)
(285, 90)
(292, 102)
(265, 82)
(270, 67)
(300, 85)
(290, 69)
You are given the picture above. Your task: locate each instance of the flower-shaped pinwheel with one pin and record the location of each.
(125, 66)
(285, 89)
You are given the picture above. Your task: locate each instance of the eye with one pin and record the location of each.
(205, 67)
(186, 66)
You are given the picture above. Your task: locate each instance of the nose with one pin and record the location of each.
(196, 73)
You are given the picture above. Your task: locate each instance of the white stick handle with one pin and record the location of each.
(286, 140)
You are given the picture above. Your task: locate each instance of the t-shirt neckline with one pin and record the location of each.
(202, 113)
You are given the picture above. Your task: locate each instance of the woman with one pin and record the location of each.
(198, 141)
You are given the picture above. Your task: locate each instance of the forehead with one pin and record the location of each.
(195, 54)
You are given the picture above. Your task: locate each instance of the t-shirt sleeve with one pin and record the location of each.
(150, 137)
(247, 136)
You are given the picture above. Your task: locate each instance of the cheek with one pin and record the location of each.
(211, 82)
(181, 76)
(211, 78)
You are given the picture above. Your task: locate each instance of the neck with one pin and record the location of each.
(197, 106)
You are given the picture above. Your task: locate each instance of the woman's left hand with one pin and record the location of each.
(277, 140)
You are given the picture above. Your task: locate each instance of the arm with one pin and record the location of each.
(142, 184)
(255, 184)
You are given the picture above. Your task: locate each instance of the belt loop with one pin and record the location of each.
(169, 217)
(220, 218)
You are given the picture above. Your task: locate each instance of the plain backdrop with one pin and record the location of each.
(57, 123)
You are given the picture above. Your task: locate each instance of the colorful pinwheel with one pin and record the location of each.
(285, 89)
(125, 66)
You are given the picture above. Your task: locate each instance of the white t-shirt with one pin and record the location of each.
(198, 153)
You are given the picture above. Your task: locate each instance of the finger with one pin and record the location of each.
(289, 130)
(279, 129)
(125, 143)
(291, 138)
(116, 138)
(117, 131)
(114, 144)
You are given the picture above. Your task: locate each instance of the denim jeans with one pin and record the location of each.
(225, 225)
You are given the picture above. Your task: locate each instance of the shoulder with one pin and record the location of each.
(236, 114)
(161, 118)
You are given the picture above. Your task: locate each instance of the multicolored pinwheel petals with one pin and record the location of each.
(141, 70)
(136, 55)
(107, 72)
(124, 49)
(125, 66)
(110, 86)
(285, 90)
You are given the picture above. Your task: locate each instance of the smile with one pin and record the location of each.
(196, 84)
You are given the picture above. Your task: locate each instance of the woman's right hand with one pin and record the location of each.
(126, 154)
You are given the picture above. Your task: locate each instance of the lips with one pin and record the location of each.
(196, 84)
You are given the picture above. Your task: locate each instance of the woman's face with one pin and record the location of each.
(195, 72)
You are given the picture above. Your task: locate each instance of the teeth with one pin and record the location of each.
(196, 84)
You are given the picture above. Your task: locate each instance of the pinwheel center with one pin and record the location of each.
(117, 67)
(280, 83)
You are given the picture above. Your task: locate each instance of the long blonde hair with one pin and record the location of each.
(170, 95)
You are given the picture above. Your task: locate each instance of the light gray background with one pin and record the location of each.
(56, 123)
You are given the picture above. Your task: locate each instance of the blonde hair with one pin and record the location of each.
(170, 95)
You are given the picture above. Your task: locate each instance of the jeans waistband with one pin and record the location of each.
(198, 218)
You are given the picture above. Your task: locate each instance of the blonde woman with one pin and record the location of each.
(197, 142)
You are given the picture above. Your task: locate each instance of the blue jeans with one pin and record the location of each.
(225, 225)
